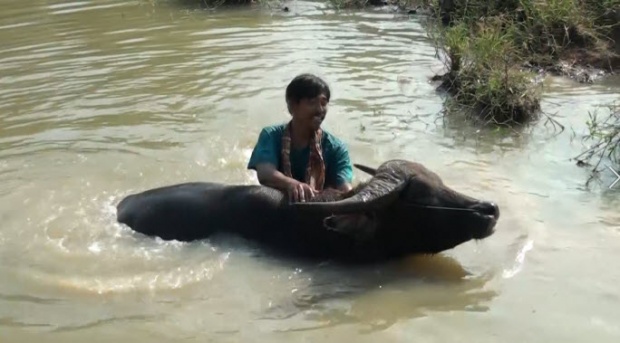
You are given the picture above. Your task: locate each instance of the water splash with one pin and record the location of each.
(519, 260)
(176, 278)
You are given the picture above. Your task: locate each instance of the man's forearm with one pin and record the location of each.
(271, 177)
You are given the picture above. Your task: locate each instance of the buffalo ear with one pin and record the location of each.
(366, 169)
(362, 226)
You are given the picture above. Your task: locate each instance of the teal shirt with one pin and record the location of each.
(338, 167)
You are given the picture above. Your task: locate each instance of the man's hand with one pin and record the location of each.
(300, 192)
(297, 191)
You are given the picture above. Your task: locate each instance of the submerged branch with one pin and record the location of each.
(606, 137)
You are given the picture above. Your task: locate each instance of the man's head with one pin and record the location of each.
(307, 97)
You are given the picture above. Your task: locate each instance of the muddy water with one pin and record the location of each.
(102, 98)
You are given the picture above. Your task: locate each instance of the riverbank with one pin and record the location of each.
(497, 53)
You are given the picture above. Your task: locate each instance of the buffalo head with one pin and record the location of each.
(409, 208)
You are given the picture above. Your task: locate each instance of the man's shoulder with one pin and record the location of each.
(333, 142)
(340, 166)
(274, 130)
(268, 145)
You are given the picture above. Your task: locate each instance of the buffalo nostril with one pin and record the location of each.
(488, 208)
(495, 210)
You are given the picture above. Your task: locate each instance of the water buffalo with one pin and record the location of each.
(403, 209)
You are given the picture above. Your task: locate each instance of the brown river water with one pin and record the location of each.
(99, 99)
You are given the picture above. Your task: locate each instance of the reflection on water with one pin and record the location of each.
(99, 99)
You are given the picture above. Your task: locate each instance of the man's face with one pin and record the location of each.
(311, 112)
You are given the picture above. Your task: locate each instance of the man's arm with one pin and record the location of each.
(269, 176)
(342, 169)
(264, 160)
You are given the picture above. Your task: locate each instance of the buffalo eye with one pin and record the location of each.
(419, 189)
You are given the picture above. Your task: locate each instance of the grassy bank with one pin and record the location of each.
(484, 73)
(496, 50)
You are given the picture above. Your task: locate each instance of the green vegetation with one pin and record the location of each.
(495, 48)
(484, 74)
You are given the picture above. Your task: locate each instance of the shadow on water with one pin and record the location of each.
(317, 296)
(380, 296)
(372, 297)
(466, 130)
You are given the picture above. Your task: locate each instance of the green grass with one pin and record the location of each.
(483, 73)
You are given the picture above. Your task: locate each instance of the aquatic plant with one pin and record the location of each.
(604, 138)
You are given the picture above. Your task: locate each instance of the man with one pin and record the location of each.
(299, 157)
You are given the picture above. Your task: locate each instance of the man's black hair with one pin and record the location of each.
(306, 86)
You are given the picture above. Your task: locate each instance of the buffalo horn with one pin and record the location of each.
(366, 169)
(382, 189)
